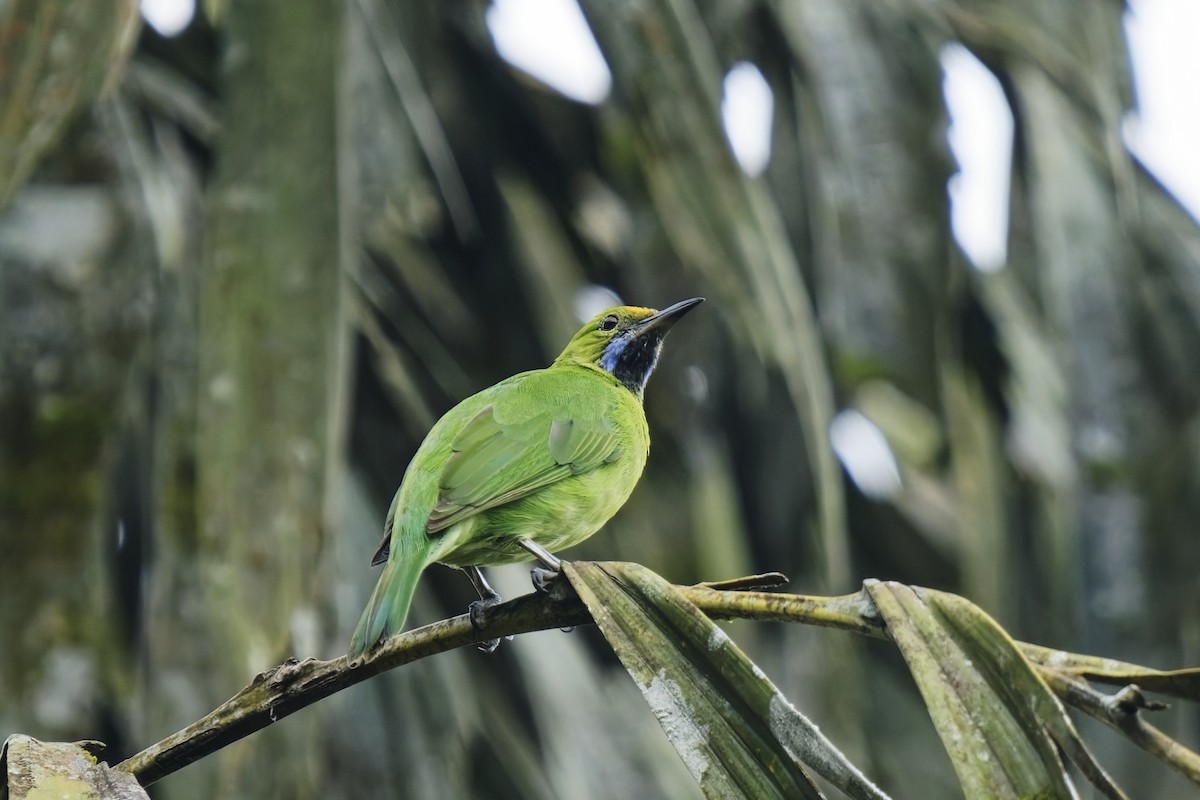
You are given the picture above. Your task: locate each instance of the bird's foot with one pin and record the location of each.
(544, 580)
(478, 612)
(552, 584)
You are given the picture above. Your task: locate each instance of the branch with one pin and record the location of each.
(295, 684)
(1120, 711)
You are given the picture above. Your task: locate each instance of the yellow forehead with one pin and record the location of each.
(627, 312)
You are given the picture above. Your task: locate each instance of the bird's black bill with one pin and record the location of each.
(662, 321)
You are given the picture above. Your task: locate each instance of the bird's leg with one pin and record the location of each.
(487, 594)
(488, 598)
(543, 555)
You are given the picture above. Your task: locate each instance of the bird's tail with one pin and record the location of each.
(388, 606)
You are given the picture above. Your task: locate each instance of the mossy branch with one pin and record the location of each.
(295, 684)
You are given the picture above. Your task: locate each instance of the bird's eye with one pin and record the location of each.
(608, 323)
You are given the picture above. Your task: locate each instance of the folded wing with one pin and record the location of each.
(501, 456)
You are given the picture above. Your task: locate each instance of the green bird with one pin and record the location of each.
(535, 464)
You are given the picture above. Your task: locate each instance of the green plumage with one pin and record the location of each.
(548, 455)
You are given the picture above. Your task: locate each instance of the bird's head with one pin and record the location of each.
(625, 341)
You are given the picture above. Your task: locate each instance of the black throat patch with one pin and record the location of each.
(631, 359)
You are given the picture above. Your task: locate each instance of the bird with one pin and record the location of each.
(527, 467)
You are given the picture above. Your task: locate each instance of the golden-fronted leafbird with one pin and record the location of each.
(532, 465)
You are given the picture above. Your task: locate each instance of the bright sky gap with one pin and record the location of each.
(168, 17)
(747, 111)
(981, 136)
(1164, 130)
(550, 40)
(864, 452)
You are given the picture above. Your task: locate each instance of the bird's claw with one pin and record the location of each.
(478, 609)
(488, 646)
(550, 583)
(478, 612)
(544, 580)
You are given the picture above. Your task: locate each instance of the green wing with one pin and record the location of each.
(496, 459)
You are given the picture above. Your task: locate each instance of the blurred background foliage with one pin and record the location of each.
(243, 270)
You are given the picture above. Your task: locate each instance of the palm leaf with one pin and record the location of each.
(738, 736)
